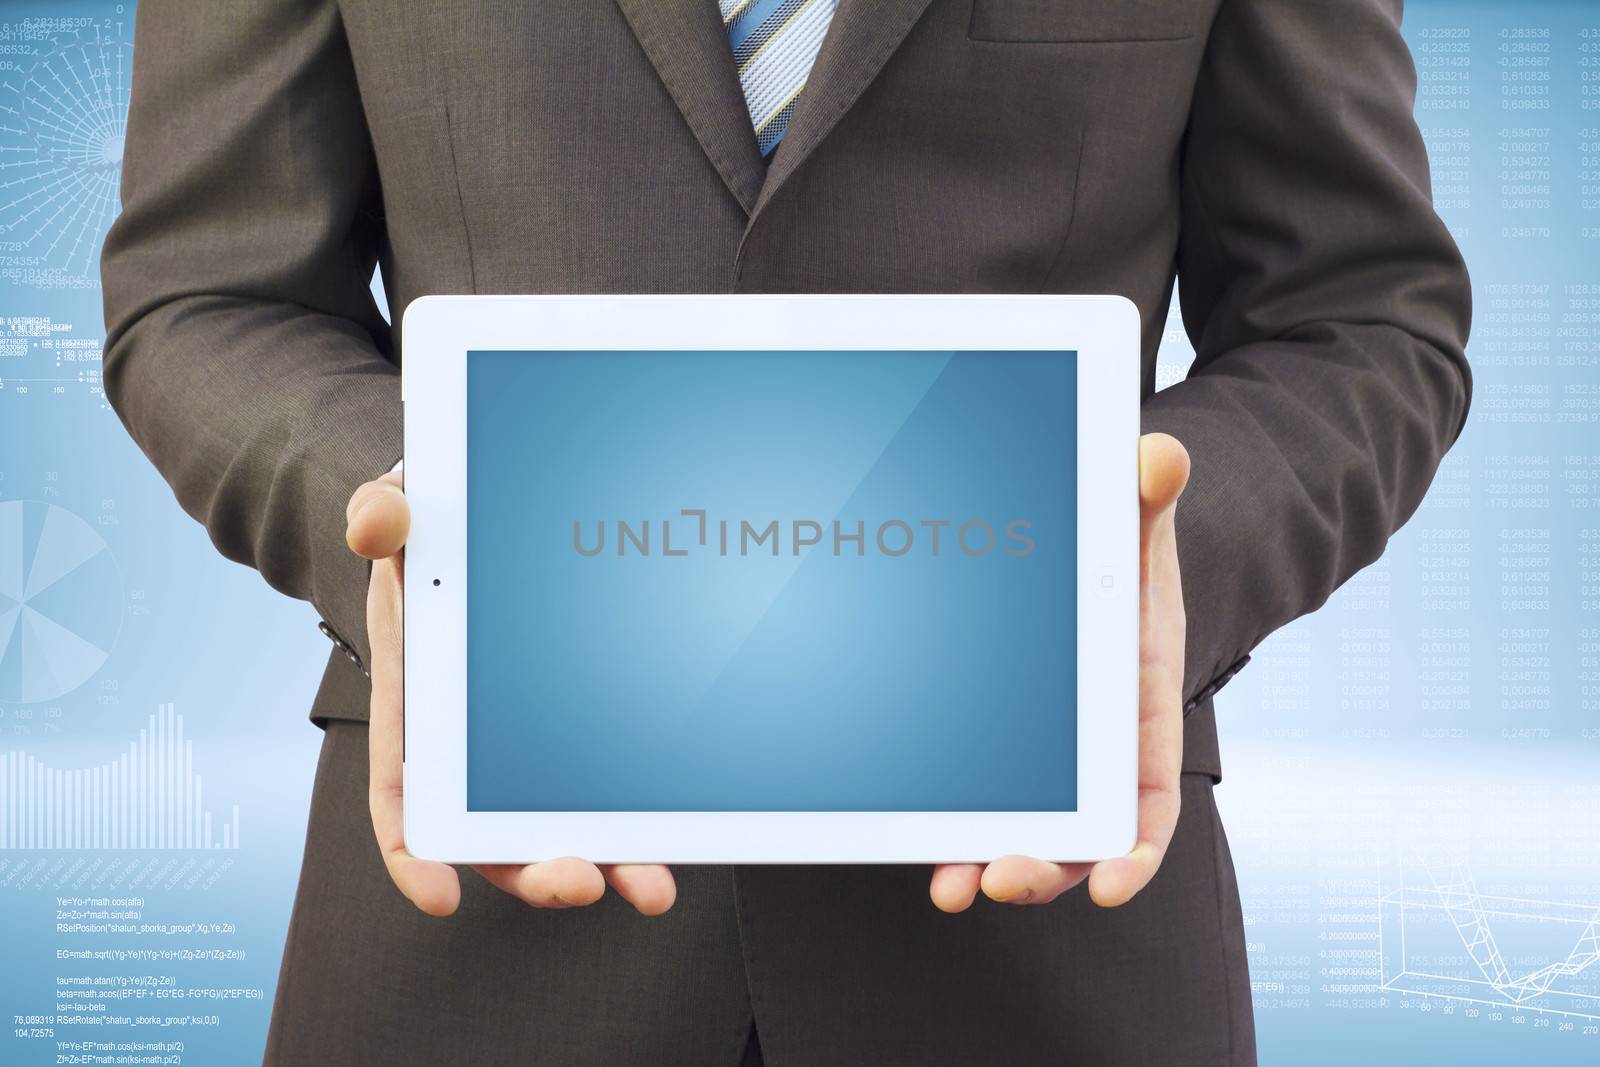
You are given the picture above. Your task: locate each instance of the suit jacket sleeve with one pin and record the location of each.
(244, 349)
(1329, 311)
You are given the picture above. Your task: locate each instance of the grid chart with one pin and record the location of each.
(63, 118)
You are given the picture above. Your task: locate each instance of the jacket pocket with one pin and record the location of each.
(1086, 21)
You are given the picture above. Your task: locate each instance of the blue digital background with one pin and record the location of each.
(1424, 749)
(821, 681)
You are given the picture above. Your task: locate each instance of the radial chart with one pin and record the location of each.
(60, 601)
(63, 116)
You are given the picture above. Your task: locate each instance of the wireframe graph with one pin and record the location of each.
(60, 601)
(1447, 940)
(149, 797)
(63, 119)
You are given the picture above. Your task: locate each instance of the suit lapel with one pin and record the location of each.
(863, 36)
(688, 45)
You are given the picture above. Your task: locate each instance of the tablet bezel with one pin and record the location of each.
(439, 331)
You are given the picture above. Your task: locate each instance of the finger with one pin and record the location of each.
(649, 887)
(433, 887)
(1025, 880)
(1114, 882)
(1163, 472)
(954, 886)
(563, 883)
(377, 519)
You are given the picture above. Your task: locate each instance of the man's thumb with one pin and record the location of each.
(1163, 472)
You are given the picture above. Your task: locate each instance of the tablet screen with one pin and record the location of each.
(771, 581)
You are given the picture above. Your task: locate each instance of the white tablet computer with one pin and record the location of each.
(745, 579)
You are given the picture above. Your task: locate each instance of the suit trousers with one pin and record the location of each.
(782, 965)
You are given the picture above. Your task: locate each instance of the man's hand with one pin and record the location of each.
(1163, 471)
(379, 519)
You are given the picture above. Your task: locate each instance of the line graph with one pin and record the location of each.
(1448, 940)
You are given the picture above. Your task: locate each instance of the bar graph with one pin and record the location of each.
(149, 797)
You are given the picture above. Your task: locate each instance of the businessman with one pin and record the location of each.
(1261, 152)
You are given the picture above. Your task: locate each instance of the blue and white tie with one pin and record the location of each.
(774, 44)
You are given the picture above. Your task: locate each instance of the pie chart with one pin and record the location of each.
(60, 601)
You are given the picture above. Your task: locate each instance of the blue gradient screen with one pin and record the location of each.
(771, 581)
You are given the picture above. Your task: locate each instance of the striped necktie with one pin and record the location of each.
(774, 44)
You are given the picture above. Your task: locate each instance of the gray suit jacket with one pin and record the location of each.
(1260, 151)
(1263, 153)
